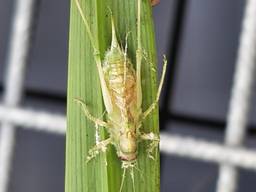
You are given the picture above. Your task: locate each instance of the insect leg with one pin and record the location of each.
(154, 142)
(105, 92)
(101, 146)
(154, 104)
(89, 115)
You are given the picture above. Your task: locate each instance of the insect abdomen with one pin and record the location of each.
(122, 83)
(121, 80)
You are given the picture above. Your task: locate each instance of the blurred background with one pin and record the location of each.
(200, 39)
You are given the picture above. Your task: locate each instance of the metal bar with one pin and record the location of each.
(35, 120)
(170, 144)
(18, 52)
(200, 122)
(207, 151)
(241, 95)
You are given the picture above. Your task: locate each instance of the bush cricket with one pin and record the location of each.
(122, 96)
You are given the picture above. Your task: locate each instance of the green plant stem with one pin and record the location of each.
(83, 82)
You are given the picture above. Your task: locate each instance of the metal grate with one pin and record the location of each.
(228, 156)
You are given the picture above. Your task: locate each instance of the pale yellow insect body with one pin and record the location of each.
(120, 78)
(122, 96)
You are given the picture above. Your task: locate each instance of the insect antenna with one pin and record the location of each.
(138, 57)
(86, 23)
(105, 92)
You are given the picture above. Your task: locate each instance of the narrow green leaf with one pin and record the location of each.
(83, 82)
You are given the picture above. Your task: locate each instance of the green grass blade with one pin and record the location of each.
(83, 82)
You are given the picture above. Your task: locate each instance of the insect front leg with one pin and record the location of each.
(96, 120)
(154, 104)
(100, 147)
(154, 139)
